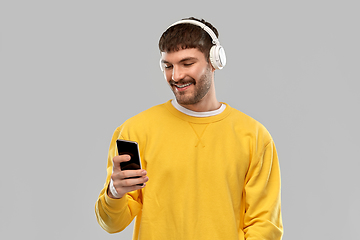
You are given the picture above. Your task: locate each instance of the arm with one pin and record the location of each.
(262, 196)
(112, 214)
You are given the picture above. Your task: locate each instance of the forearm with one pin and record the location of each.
(114, 215)
(263, 198)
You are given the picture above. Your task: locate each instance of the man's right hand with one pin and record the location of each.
(122, 180)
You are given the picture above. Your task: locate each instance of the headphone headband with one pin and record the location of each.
(215, 40)
(217, 53)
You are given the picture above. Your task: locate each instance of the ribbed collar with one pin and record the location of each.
(197, 114)
(194, 119)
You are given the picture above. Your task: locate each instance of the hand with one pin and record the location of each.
(122, 180)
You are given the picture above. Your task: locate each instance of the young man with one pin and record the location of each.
(208, 170)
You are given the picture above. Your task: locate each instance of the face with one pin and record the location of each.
(189, 75)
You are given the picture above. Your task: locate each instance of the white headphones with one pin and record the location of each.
(217, 52)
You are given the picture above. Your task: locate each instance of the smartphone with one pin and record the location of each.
(131, 148)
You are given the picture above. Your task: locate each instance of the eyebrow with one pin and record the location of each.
(182, 60)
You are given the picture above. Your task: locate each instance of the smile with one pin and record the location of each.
(182, 86)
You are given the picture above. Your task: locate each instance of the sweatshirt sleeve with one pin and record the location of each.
(114, 215)
(262, 218)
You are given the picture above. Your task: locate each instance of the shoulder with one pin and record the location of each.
(149, 115)
(249, 126)
(141, 122)
(237, 115)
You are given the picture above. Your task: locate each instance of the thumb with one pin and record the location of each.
(119, 159)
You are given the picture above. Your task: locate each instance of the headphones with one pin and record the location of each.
(217, 52)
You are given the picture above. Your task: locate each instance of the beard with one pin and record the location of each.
(200, 88)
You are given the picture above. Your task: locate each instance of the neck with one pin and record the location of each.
(203, 107)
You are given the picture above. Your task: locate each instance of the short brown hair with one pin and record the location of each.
(185, 35)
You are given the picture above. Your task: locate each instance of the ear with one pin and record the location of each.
(161, 65)
(212, 67)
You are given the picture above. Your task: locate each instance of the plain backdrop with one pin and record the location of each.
(73, 71)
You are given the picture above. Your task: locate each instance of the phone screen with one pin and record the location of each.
(131, 148)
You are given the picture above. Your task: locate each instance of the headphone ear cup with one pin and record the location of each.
(217, 57)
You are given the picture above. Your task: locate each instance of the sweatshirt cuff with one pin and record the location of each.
(117, 204)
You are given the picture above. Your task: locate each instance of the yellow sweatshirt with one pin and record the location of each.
(210, 178)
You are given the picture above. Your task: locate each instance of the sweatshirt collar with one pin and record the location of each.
(197, 114)
(194, 119)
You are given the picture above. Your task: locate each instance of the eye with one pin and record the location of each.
(188, 64)
(167, 66)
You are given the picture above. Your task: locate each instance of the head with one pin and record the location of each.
(185, 59)
(184, 36)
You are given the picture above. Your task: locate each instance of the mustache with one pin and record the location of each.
(182, 82)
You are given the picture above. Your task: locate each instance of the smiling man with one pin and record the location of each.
(191, 79)
(208, 170)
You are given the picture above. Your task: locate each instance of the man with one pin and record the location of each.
(209, 171)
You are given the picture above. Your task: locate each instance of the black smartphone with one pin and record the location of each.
(131, 148)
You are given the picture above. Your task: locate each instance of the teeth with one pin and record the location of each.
(182, 86)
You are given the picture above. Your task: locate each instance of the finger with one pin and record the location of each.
(130, 182)
(120, 176)
(132, 173)
(119, 159)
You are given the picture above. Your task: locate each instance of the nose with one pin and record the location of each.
(177, 73)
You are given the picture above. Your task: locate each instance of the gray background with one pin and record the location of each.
(72, 71)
